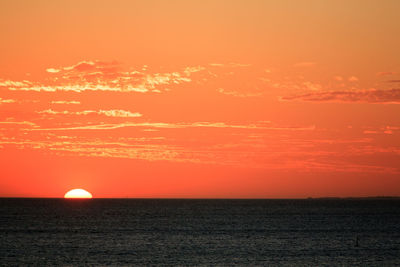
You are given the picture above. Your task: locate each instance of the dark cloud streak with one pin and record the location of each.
(391, 96)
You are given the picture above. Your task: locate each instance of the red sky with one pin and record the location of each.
(254, 99)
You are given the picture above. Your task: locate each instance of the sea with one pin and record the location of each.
(200, 232)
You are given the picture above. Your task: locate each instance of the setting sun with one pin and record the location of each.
(78, 193)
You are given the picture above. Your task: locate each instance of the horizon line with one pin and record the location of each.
(216, 198)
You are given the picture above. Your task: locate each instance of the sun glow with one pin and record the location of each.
(78, 193)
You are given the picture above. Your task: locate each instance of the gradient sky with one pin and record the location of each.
(238, 99)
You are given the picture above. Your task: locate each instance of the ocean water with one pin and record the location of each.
(151, 232)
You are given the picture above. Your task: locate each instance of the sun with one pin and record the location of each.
(78, 193)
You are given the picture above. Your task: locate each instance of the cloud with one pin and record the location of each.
(189, 70)
(105, 76)
(2, 101)
(19, 123)
(163, 125)
(118, 113)
(293, 85)
(352, 79)
(216, 64)
(312, 86)
(63, 102)
(85, 66)
(52, 70)
(391, 96)
(386, 73)
(237, 94)
(96, 148)
(235, 65)
(370, 132)
(78, 88)
(383, 130)
(9, 83)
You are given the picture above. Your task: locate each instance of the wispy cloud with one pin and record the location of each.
(89, 115)
(288, 154)
(10, 83)
(110, 126)
(19, 123)
(386, 73)
(52, 70)
(109, 113)
(88, 66)
(237, 94)
(382, 130)
(216, 64)
(106, 149)
(64, 102)
(353, 79)
(104, 76)
(391, 96)
(235, 65)
(6, 101)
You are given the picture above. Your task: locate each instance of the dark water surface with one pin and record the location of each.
(200, 232)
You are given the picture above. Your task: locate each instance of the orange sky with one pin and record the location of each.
(254, 99)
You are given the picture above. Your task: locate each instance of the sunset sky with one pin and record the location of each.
(193, 99)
